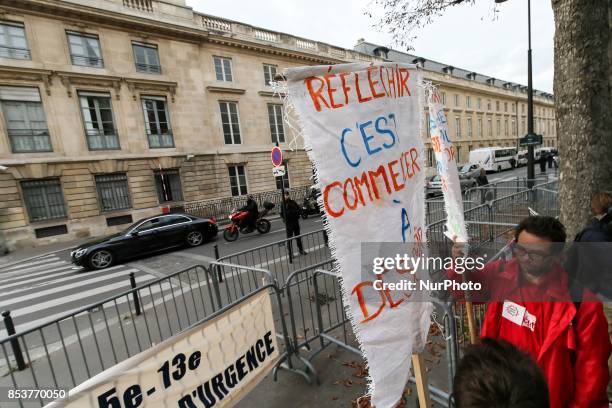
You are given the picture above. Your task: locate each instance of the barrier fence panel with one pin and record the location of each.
(282, 257)
(75, 347)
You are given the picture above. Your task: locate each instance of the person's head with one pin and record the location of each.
(601, 202)
(495, 374)
(538, 239)
(483, 172)
(286, 195)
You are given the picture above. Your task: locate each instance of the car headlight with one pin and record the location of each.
(78, 253)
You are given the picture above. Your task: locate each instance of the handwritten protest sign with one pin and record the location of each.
(361, 128)
(446, 163)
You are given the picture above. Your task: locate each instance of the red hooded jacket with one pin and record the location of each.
(570, 346)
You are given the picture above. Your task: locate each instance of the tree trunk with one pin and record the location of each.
(583, 96)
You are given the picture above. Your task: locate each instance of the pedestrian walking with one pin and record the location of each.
(542, 161)
(551, 160)
(482, 181)
(291, 216)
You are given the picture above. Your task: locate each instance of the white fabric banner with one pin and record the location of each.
(361, 125)
(446, 164)
(213, 364)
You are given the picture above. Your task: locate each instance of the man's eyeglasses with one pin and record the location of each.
(520, 251)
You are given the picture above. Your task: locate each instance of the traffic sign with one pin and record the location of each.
(531, 139)
(278, 171)
(277, 156)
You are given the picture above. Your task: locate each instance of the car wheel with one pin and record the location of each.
(100, 259)
(195, 238)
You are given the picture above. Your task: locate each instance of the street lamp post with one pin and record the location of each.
(530, 133)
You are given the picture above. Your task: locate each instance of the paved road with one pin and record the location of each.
(42, 289)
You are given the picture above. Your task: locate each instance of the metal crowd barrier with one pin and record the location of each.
(75, 347)
(282, 257)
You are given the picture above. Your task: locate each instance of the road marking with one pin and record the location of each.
(34, 268)
(202, 258)
(76, 296)
(70, 272)
(62, 288)
(44, 260)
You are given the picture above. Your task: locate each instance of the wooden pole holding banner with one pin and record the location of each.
(420, 377)
(471, 322)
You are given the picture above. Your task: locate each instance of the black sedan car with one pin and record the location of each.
(143, 237)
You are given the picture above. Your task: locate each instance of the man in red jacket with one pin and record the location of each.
(531, 308)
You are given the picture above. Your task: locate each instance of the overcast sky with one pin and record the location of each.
(466, 36)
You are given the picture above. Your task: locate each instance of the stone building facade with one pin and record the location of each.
(111, 109)
(482, 111)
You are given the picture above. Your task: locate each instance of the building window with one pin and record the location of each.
(13, 43)
(523, 108)
(430, 157)
(468, 102)
(506, 127)
(146, 58)
(497, 106)
(98, 120)
(230, 122)
(275, 117)
(43, 199)
(505, 106)
(490, 127)
(469, 127)
(24, 119)
(284, 179)
(113, 191)
(458, 127)
(238, 182)
(488, 104)
(168, 184)
(443, 98)
(223, 69)
(269, 73)
(428, 124)
(479, 103)
(456, 100)
(85, 50)
(157, 122)
(523, 130)
(479, 127)
(498, 128)
(514, 127)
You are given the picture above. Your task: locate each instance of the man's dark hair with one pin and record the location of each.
(495, 374)
(542, 226)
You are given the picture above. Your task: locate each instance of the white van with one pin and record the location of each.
(494, 158)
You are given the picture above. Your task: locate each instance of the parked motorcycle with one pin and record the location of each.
(310, 207)
(238, 224)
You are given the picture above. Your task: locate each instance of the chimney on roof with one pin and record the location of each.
(382, 52)
(420, 61)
